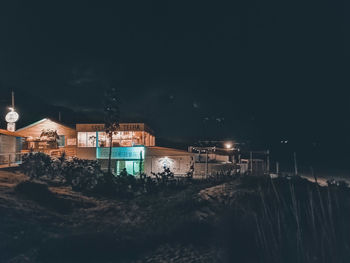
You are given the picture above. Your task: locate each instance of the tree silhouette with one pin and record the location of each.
(112, 117)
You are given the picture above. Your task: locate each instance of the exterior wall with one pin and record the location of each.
(88, 153)
(35, 131)
(143, 134)
(9, 149)
(179, 165)
(211, 157)
(7, 144)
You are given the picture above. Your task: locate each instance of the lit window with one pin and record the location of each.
(82, 139)
(91, 139)
(61, 141)
(86, 139)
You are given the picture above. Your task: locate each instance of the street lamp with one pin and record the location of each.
(228, 145)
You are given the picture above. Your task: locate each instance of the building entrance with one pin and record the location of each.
(132, 167)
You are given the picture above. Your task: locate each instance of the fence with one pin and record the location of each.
(10, 159)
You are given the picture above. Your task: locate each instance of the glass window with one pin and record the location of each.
(102, 140)
(91, 139)
(82, 139)
(61, 141)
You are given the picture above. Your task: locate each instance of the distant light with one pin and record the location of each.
(228, 145)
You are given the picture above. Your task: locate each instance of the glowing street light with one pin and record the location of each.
(228, 145)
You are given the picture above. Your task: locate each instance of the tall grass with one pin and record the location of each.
(299, 221)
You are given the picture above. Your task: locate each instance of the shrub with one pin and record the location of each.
(36, 165)
(82, 175)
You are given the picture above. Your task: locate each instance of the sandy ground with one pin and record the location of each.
(25, 226)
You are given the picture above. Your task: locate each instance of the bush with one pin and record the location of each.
(82, 175)
(86, 176)
(36, 165)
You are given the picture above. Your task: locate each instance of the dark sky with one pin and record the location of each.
(249, 70)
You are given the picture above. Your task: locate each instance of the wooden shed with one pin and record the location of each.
(50, 137)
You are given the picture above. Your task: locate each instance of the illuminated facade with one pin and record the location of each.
(128, 135)
(50, 137)
(128, 145)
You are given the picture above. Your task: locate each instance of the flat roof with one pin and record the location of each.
(164, 151)
(124, 126)
(9, 133)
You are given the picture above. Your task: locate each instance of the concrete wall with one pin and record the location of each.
(211, 157)
(88, 153)
(179, 165)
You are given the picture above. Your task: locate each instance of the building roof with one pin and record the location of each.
(123, 126)
(163, 151)
(41, 121)
(9, 133)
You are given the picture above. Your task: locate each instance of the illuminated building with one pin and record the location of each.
(50, 137)
(128, 145)
(133, 146)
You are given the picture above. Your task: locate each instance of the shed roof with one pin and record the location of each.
(41, 121)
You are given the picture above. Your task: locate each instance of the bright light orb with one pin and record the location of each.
(228, 145)
(12, 116)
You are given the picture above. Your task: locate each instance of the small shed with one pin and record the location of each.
(50, 137)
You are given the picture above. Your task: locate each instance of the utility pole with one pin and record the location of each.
(206, 164)
(59, 116)
(277, 168)
(268, 161)
(13, 100)
(251, 162)
(295, 164)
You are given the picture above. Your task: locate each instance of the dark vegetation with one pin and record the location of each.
(87, 176)
(41, 194)
(291, 220)
(228, 219)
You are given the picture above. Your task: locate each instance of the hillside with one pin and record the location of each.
(204, 222)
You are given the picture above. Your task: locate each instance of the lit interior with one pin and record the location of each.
(120, 139)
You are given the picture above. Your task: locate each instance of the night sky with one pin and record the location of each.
(254, 71)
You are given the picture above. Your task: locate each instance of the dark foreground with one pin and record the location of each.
(247, 219)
